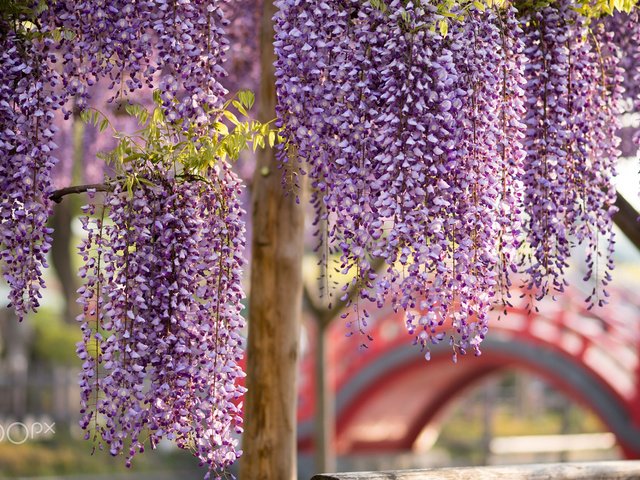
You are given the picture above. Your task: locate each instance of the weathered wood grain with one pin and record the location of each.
(269, 440)
(624, 470)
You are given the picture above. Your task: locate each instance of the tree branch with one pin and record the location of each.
(57, 195)
(310, 302)
(627, 220)
(325, 315)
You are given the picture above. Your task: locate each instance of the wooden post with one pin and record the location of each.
(325, 415)
(325, 455)
(269, 440)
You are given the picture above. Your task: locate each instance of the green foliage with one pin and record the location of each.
(379, 4)
(456, 10)
(598, 8)
(21, 17)
(587, 8)
(54, 340)
(192, 149)
(11, 10)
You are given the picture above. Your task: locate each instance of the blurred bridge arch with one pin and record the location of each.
(388, 395)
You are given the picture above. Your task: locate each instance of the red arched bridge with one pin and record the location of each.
(388, 394)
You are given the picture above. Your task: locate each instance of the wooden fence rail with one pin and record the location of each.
(622, 470)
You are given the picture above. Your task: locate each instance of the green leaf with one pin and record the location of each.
(41, 7)
(247, 98)
(231, 117)
(240, 108)
(158, 115)
(221, 128)
(69, 34)
(444, 27)
(133, 157)
(56, 34)
(144, 181)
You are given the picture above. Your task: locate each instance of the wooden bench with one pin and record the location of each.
(619, 470)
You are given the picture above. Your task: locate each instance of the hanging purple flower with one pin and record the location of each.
(26, 161)
(573, 98)
(411, 140)
(177, 47)
(425, 147)
(161, 324)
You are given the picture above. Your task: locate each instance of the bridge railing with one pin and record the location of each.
(619, 470)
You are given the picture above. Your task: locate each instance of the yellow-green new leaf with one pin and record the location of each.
(231, 117)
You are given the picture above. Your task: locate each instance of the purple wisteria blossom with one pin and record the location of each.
(161, 321)
(456, 157)
(625, 29)
(626, 36)
(177, 47)
(26, 161)
(573, 99)
(163, 255)
(412, 143)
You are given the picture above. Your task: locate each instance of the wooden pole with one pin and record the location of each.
(325, 415)
(270, 437)
(325, 454)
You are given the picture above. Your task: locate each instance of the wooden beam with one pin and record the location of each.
(620, 470)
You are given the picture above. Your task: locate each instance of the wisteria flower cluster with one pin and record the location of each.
(161, 323)
(26, 163)
(413, 145)
(626, 36)
(437, 152)
(454, 152)
(573, 94)
(175, 46)
(163, 256)
(625, 29)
